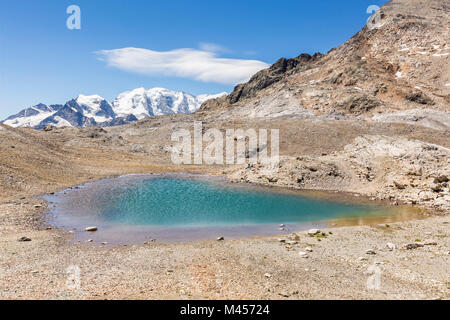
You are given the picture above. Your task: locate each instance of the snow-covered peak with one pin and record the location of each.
(95, 110)
(156, 101)
(95, 107)
(93, 101)
(32, 116)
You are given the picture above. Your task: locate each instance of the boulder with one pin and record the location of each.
(313, 232)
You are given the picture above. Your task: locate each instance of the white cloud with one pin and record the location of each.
(195, 64)
(212, 47)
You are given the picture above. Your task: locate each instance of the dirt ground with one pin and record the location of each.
(338, 267)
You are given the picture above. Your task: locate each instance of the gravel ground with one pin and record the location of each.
(336, 267)
(260, 268)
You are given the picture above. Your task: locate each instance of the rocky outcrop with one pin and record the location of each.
(382, 167)
(275, 73)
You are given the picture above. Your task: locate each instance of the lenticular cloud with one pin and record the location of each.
(186, 63)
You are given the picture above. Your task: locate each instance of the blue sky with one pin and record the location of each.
(43, 61)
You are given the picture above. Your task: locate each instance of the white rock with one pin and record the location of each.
(303, 254)
(91, 229)
(391, 246)
(308, 249)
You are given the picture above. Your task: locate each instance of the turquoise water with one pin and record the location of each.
(191, 207)
(172, 201)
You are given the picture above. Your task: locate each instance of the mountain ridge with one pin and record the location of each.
(398, 62)
(94, 110)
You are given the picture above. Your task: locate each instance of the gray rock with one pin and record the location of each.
(220, 239)
(371, 252)
(314, 231)
(24, 239)
(412, 246)
(91, 229)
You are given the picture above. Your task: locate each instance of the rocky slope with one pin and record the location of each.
(381, 167)
(94, 110)
(400, 62)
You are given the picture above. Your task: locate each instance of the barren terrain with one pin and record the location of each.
(370, 118)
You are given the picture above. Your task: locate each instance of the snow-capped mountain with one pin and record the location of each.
(32, 116)
(92, 110)
(144, 103)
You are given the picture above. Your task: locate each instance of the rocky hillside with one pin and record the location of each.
(398, 66)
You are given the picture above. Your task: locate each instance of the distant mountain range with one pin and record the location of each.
(94, 110)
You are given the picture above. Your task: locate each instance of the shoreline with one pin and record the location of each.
(403, 213)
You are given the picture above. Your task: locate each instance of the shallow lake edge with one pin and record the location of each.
(416, 213)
